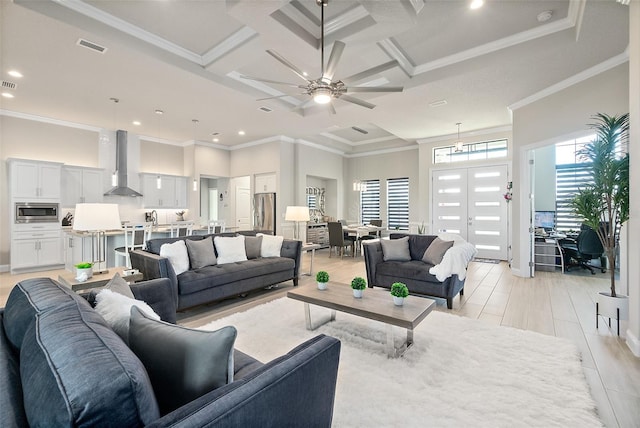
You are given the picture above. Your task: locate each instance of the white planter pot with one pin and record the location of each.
(84, 274)
(357, 294)
(608, 306)
(322, 286)
(398, 301)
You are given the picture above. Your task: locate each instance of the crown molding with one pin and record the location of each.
(475, 133)
(52, 121)
(319, 147)
(381, 151)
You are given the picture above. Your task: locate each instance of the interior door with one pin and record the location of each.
(243, 208)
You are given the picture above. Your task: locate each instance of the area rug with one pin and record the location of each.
(459, 373)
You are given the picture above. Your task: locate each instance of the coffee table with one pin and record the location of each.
(376, 305)
(97, 280)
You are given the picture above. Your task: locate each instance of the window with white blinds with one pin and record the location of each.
(398, 203)
(370, 201)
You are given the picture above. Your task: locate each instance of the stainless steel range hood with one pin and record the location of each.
(122, 188)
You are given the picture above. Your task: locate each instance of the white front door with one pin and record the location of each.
(449, 201)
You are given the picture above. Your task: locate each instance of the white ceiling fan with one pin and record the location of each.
(325, 89)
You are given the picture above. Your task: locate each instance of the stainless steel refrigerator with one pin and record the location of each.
(264, 212)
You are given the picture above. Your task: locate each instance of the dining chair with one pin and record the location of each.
(216, 226)
(136, 235)
(181, 228)
(338, 240)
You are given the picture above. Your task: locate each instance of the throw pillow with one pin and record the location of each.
(230, 249)
(183, 364)
(435, 252)
(119, 285)
(252, 245)
(396, 249)
(201, 253)
(115, 308)
(271, 245)
(177, 254)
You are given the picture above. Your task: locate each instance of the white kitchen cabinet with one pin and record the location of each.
(77, 249)
(81, 185)
(172, 193)
(36, 248)
(265, 183)
(35, 180)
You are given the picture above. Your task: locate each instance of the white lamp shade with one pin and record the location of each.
(96, 217)
(297, 214)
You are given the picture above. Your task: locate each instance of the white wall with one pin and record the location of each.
(545, 178)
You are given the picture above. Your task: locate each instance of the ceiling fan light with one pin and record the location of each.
(322, 96)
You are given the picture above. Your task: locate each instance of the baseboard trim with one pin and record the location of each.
(633, 343)
(4, 268)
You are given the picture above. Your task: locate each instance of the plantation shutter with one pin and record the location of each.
(398, 203)
(370, 201)
(569, 179)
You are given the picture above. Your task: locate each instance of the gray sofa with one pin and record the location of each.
(61, 365)
(211, 283)
(414, 273)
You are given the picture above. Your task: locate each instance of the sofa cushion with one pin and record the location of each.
(11, 405)
(154, 245)
(76, 371)
(183, 363)
(435, 252)
(230, 250)
(218, 275)
(177, 254)
(201, 253)
(115, 308)
(396, 249)
(119, 285)
(271, 245)
(414, 269)
(252, 245)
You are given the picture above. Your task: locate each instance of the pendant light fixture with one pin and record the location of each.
(459, 144)
(195, 123)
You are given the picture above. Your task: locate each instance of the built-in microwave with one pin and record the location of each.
(36, 212)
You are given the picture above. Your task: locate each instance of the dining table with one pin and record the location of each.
(359, 230)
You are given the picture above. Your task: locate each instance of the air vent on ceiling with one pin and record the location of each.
(438, 103)
(360, 130)
(9, 85)
(215, 134)
(265, 109)
(90, 45)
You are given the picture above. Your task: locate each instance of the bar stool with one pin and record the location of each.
(135, 236)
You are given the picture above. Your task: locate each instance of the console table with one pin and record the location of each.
(318, 233)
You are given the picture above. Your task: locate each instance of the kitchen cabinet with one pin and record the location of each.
(35, 180)
(265, 183)
(172, 192)
(36, 248)
(81, 185)
(77, 249)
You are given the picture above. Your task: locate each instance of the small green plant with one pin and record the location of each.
(398, 289)
(358, 283)
(421, 229)
(83, 265)
(322, 276)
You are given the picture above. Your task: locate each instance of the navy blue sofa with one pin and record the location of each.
(61, 365)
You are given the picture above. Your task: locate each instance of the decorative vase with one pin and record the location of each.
(612, 307)
(398, 301)
(83, 274)
(322, 286)
(357, 293)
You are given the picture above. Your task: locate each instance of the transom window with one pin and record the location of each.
(471, 151)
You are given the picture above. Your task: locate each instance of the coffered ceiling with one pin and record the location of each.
(187, 58)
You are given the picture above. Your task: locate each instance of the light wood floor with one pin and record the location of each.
(551, 303)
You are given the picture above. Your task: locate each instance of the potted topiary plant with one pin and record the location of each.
(84, 271)
(604, 205)
(358, 284)
(322, 278)
(399, 291)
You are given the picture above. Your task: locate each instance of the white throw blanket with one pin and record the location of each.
(456, 258)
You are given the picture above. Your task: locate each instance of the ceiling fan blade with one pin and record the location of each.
(375, 89)
(334, 58)
(257, 79)
(358, 101)
(274, 97)
(291, 67)
(332, 109)
(370, 72)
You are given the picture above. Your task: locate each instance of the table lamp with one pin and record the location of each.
(96, 219)
(296, 214)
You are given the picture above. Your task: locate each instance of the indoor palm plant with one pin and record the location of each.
(604, 205)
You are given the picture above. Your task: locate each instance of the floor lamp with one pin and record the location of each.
(297, 214)
(96, 219)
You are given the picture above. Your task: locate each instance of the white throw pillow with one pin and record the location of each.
(177, 254)
(230, 249)
(271, 245)
(115, 308)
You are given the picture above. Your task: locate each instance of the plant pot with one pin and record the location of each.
(607, 305)
(322, 286)
(83, 274)
(357, 293)
(398, 301)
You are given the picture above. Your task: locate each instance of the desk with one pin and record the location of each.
(546, 251)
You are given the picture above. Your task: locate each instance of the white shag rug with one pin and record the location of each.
(460, 372)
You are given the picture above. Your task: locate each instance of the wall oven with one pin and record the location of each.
(36, 212)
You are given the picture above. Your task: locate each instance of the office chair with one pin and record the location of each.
(586, 247)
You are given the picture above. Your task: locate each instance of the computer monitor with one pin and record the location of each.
(545, 220)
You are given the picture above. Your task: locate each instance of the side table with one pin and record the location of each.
(98, 279)
(309, 246)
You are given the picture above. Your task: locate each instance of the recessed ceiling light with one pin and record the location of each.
(158, 111)
(305, 74)
(215, 140)
(240, 132)
(136, 122)
(15, 73)
(7, 95)
(545, 16)
(476, 4)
